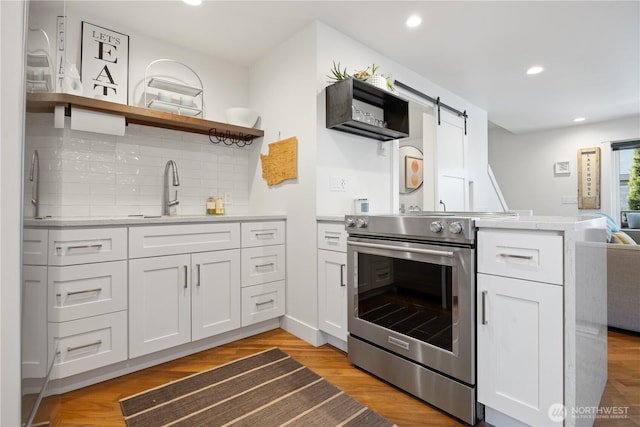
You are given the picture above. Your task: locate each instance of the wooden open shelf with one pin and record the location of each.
(45, 103)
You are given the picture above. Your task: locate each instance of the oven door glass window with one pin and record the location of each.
(409, 297)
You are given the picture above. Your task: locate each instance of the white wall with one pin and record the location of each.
(225, 84)
(356, 158)
(282, 87)
(11, 128)
(524, 164)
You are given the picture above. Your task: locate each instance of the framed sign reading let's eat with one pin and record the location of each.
(105, 64)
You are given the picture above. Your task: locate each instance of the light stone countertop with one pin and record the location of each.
(50, 222)
(330, 218)
(550, 223)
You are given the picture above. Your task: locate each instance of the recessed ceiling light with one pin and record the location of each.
(193, 2)
(535, 70)
(413, 21)
(579, 119)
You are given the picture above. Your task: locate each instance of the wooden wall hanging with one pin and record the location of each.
(281, 162)
(589, 178)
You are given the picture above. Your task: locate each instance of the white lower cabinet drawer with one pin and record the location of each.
(332, 236)
(86, 344)
(34, 246)
(263, 264)
(530, 255)
(148, 241)
(84, 290)
(262, 302)
(262, 233)
(82, 246)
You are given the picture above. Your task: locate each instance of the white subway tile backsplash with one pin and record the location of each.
(86, 174)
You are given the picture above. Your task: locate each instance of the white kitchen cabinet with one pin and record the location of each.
(332, 293)
(520, 347)
(263, 261)
(34, 303)
(262, 302)
(85, 344)
(263, 233)
(181, 298)
(215, 293)
(86, 299)
(159, 303)
(34, 321)
(520, 323)
(85, 290)
(186, 295)
(82, 246)
(263, 264)
(332, 279)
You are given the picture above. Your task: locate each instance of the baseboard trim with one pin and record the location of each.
(303, 331)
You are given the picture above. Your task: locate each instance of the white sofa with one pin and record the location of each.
(623, 288)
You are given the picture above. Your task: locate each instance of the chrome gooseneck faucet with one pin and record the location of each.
(34, 176)
(166, 205)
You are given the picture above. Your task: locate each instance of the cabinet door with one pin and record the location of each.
(34, 321)
(520, 366)
(332, 289)
(159, 303)
(215, 293)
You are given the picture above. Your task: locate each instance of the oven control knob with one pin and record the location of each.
(436, 226)
(455, 228)
(362, 223)
(350, 222)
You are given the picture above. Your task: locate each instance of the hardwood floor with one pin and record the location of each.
(98, 405)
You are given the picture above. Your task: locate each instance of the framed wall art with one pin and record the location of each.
(562, 168)
(105, 64)
(413, 174)
(589, 178)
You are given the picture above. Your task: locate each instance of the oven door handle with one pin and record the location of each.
(396, 248)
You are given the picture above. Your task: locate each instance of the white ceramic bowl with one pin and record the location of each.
(240, 116)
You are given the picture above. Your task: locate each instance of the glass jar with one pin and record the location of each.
(211, 205)
(368, 118)
(219, 203)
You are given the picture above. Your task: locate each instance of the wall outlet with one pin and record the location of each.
(228, 200)
(337, 183)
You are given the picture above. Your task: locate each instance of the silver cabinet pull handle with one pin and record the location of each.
(96, 246)
(258, 304)
(342, 275)
(186, 273)
(484, 307)
(80, 347)
(270, 233)
(198, 268)
(81, 292)
(265, 265)
(516, 256)
(332, 237)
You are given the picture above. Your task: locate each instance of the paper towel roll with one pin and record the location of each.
(93, 121)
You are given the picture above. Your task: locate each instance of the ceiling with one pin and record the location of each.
(479, 50)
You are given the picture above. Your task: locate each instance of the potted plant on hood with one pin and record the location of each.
(369, 75)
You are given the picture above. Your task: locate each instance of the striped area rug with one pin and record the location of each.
(264, 389)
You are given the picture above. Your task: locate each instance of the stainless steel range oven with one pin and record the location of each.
(411, 282)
